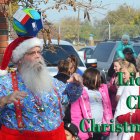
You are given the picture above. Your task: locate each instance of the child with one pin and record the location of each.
(74, 65)
(93, 103)
(63, 71)
(123, 113)
(71, 131)
(127, 68)
(113, 84)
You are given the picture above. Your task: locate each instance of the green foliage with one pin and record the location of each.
(137, 19)
(124, 20)
(71, 26)
(86, 29)
(124, 15)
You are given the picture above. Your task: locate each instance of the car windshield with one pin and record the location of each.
(56, 53)
(103, 51)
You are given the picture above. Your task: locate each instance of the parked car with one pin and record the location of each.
(86, 55)
(88, 51)
(105, 54)
(53, 54)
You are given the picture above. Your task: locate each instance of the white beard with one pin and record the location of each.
(36, 76)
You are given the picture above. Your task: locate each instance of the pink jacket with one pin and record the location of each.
(107, 114)
(81, 109)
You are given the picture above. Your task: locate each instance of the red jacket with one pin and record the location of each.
(135, 118)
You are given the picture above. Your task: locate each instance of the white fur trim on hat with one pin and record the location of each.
(3, 72)
(23, 47)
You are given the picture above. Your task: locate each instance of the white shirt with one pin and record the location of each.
(122, 108)
(95, 99)
(120, 90)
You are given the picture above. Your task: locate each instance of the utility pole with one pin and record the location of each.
(78, 34)
(78, 25)
(109, 30)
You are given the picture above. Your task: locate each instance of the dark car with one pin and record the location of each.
(88, 51)
(105, 54)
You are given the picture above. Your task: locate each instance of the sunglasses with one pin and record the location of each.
(129, 53)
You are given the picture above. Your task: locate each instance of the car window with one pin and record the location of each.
(56, 53)
(89, 53)
(137, 48)
(103, 51)
(83, 49)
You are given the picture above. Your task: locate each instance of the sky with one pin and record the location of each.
(109, 5)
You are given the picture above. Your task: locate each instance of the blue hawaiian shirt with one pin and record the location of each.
(33, 120)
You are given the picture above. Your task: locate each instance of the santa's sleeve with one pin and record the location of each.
(3, 91)
(73, 91)
(69, 92)
(135, 117)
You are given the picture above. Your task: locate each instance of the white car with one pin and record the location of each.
(52, 55)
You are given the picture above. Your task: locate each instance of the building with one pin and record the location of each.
(3, 27)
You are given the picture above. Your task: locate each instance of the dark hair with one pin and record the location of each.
(74, 59)
(128, 50)
(72, 128)
(63, 66)
(92, 78)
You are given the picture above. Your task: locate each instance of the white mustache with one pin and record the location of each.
(36, 76)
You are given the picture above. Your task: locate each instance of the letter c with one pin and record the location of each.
(82, 123)
(128, 101)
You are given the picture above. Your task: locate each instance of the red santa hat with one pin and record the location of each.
(17, 49)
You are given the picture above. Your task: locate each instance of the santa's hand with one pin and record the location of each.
(12, 98)
(75, 78)
(15, 96)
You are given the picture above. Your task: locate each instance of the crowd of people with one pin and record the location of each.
(127, 63)
(37, 106)
(104, 102)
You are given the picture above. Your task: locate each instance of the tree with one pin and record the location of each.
(136, 19)
(123, 20)
(86, 29)
(68, 28)
(59, 5)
